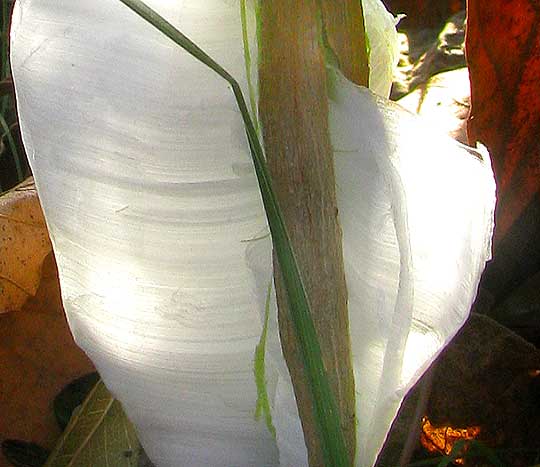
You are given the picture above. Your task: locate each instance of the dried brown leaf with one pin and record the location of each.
(24, 244)
(37, 359)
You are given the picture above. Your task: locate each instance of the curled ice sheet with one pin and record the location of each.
(417, 215)
(416, 210)
(383, 46)
(145, 178)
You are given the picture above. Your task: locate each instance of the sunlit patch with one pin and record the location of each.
(421, 345)
(443, 438)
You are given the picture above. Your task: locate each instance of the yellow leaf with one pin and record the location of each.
(24, 244)
(98, 434)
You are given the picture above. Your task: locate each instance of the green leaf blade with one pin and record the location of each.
(259, 369)
(326, 413)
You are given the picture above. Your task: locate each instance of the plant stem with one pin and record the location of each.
(326, 413)
(344, 27)
(293, 108)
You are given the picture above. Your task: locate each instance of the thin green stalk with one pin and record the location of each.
(13, 147)
(247, 61)
(326, 412)
(259, 368)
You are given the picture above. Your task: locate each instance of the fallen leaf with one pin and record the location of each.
(503, 53)
(425, 13)
(484, 378)
(38, 358)
(24, 244)
(447, 52)
(521, 310)
(487, 377)
(72, 396)
(444, 100)
(98, 434)
(23, 453)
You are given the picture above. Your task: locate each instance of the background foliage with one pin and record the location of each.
(13, 165)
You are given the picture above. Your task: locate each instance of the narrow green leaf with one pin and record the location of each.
(477, 447)
(325, 409)
(469, 449)
(13, 147)
(259, 368)
(457, 451)
(248, 63)
(99, 433)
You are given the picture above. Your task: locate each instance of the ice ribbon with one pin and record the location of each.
(146, 182)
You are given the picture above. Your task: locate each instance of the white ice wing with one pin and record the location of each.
(383, 48)
(383, 45)
(146, 181)
(289, 434)
(144, 174)
(416, 209)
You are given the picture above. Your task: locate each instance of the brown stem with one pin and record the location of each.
(420, 410)
(344, 23)
(293, 107)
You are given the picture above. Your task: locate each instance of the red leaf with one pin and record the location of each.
(503, 54)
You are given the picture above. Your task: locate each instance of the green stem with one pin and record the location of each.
(13, 147)
(247, 61)
(326, 413)
(263, 405)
